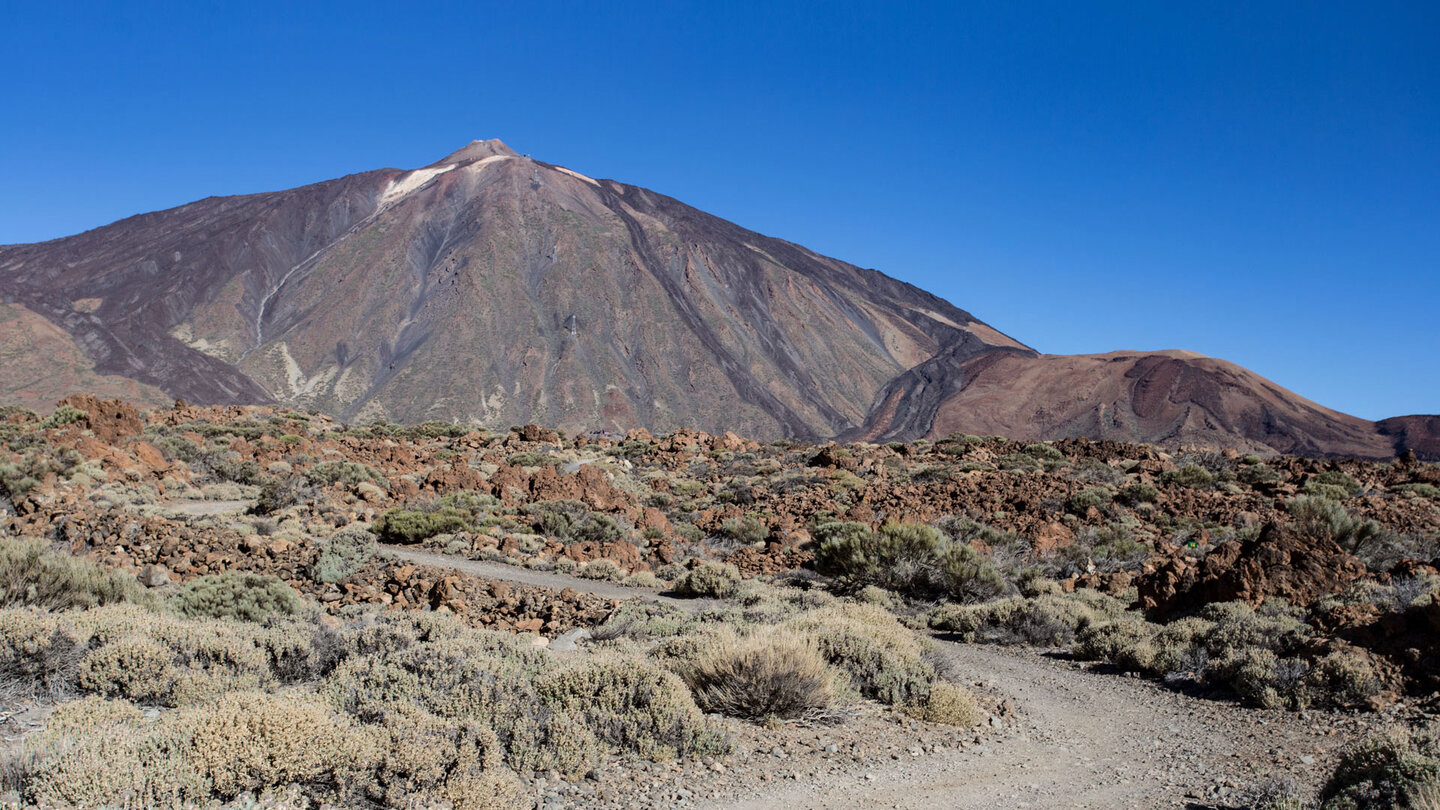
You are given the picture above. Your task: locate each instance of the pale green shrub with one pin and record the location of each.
(242, 595)
(32, 573)
(345, 553)
(709, 579)
(632, 706)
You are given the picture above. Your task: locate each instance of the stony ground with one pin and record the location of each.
(1062, 734)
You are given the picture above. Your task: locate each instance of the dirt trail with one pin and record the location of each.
(543, 579)
(1082, 739)
(1077, 738)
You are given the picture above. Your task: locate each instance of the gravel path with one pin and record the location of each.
(542, 579)
(1083, 739)
(1076, 738)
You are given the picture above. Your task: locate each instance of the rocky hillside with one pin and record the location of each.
(495, 289)
(1172, 398)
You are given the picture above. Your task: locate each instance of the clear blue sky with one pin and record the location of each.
(1256, 181)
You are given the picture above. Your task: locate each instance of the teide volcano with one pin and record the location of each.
(494, 288)
(488, 287)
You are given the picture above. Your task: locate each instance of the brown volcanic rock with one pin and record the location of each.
(1278, 563)
(1418, 434)
(1172, 398)
(111, 419)
(488, 287)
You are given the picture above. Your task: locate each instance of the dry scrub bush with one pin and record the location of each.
(128, 651)
(249, 741)
(709, 579)
(1050, 619)
(38, 653)
(632, 705)
(1395, 768)
(882, 660)
(767, 674)
(606, 570)
(32, 573)
(429, 757)
(1263, 656)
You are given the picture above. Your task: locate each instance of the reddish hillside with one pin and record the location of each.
(1171, 398)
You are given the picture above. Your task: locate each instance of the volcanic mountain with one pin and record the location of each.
(494, 288)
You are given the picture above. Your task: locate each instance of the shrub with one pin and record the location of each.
(1086, 499)
(1343, 482)
(345, 553)
(909, 558)
(1257, 473)
(633, 706)
(1138, 493)
(532, 460)
(61, 416)
(38, 653)
(1341, 678)
(1045, 620)
(1395, 768)
(281, 492)
(1324, 519)
(642, 579)
(31, 573)
(883, 660)
(769, 674)
(572, 521)
(1191, 476)
(603, 569)
(250, 741)
(1419, 490)
(746, 531)
(709, 579)
(947, 704)
(441, 760)
(239, 595)
(411, 526)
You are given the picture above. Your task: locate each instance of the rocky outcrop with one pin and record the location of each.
(1278, 564)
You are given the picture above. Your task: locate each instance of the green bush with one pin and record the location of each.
(1191, 476)
(909, 558)
(344, 553)
(1086, 499)
(412, 526)
(1138, 493)
(349, 473)
(573, 522)
(1324, 519)
(61, 416)
(242, 595)
(1395, 768)
(709, 579)
(1344, 482)
(281, 492)
(746, 531)
(31, 573)
(1421, 490)
(1257, 473)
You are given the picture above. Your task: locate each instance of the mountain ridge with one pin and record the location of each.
(495, 288)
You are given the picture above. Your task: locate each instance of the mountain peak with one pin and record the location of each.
(476, 150)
